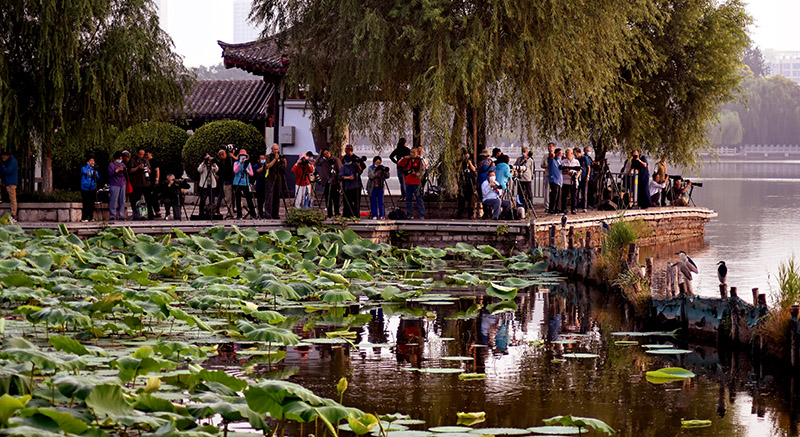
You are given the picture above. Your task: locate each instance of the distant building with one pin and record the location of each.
(243, 30)
(785, 63)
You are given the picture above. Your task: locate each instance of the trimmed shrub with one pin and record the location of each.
(163, 139)
(209, 137)
(69, 156)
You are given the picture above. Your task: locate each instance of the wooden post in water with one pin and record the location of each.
(762, 300)
(552, 237)
(723, 291)
(633, 255)
(531, 235)
(755, 297)
(733, 292)
(648, 264)
(571, 238)
(588, 240)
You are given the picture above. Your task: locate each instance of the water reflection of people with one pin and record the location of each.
(410, 337)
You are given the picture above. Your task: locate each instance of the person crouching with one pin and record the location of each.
(492, 194)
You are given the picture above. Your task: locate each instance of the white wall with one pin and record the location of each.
(293, 115)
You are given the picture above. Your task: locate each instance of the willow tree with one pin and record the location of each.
(72, 68)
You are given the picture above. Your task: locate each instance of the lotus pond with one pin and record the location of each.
(232, 332)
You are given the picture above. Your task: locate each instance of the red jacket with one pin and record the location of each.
(413, 168)
(302, 175)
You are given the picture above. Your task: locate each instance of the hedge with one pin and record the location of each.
(164, 140)
(211, 136)
(70, 156)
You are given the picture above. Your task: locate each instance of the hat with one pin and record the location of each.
(484, 152)
(346, 159)
(242, 152)
(310, 154)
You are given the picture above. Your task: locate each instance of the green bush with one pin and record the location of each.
(69, 155)
(209, 137)
(299, 218)
(56, 196)
(163, 139)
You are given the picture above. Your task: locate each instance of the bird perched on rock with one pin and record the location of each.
(722, 272)
(604, 227)
(564, 221)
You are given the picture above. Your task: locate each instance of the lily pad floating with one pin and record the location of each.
(581, 355)
(409, 422)
(440, 370)
(500, 431)
(471, 376)
(695, 423)
(565, 341)
(446, 338)
(408, 433)
(646, 334)
(457, 358)
(325, 341)
(626, 343)
(557, 430)
(668, 374)
(436, 302)
(668, 351)
(450, 429)
(658, 346)
(372, 345)
(455, 434)
(559, 360)
(469, 419)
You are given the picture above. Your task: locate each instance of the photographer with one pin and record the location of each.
(466, 185)
(485, 165)
(657, 184)
(242, 172)
(225, 160)
(139, 173)
(276, 164)
(117, 183)
(502, 171)
(680, 191)
(546, 180)
(207, 184)
(492, 194)
(414, 166)
(376, 177)
(172, 192)
(570, 171)
(639, 163)
(351, 182)
(328, 168)
(154, 181)
(88, 189)
(523, 168)
(555, 179)
(400, 152)
(303, 169)
(259, 176)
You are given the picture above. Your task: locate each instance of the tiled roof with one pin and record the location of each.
(245, 100)
(261, 57)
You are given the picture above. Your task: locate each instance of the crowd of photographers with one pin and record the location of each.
(573, 180)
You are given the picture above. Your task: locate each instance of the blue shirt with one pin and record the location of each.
(586, 164)
(9, 171)
(484, 167)
(555, 172)
(88, 178)
(350, 169)
(503, 173)
(259, 177)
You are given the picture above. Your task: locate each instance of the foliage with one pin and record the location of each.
(298, 218)
(754, 59)
(769, 111)
(775, 326)
(72, 69)
(614, 248)
(165, 140)
(581, 423)
(636, 289)
(55, 196)
(211, 136)
(70, 155)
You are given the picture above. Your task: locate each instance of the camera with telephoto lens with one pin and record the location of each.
(359, 159)
(382, 172)
(146, 170)
(572, 168)
(694, 184)
(519, 168)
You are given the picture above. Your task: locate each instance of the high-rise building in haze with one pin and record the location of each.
(786, 63)
(243, 30)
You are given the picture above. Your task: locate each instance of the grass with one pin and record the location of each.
(774, 327)
(614, 248)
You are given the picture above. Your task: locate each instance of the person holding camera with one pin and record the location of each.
(502, 170)
(242, 172)
(88, 189)
(661, 171)
(171, 192)
(139, 173)
(414, 166)
(466, 185)
(276, 164)
(303, 169)
(523, 168)
(154, 181)
(554, 179)
(376, 177)
(328, 168)
(259, 178)
(492, 195)
(655, 187)
(570, 171)
(639, 163)
(400, 152)
(680, 191)
(207, 185)
(117, 183)
(351, 183)
(226, 157)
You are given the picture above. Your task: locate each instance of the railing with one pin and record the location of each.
(629, 182)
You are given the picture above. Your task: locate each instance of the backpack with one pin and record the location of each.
(141, 206)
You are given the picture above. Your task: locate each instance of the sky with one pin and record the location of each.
(196, 25)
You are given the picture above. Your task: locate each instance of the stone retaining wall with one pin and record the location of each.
(58, 212)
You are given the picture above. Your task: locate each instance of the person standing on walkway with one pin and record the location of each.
(351, 184)
(9, 173)
(139, 174)
(88, 189)
(639, 163)
(225, 159)
(276, 165)
(413, 167)
(554, 180)
(259, 176)
(569, 184)
(154, 181)
(589, 177)
(400, 152)
(524, 166)
(117, 185)
(661, 172)
(242, 174)
(328, 168)
(303, 169)
(207, 186)
(377, 176)
(546, 180)
(466, 186)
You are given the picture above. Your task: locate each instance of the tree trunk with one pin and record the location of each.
(416, 121)
(452, 157)
(47, 166)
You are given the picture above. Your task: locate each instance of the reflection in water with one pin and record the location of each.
(526, 380)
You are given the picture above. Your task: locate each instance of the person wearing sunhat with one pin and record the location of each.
(303, 169)
(242, 175)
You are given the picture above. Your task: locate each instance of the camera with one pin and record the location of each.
(694, 184)
(359, 159)
(146, 170)
(519, 168)
(383, 172)
(303, 160)
(573, 168)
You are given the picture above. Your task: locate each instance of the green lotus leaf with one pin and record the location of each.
(500, 431)
(668, 374)
(450, 429)
(581, 355)
(557, 430)
(581, 422)
(668, 351)
(501, 291)
(695, 423)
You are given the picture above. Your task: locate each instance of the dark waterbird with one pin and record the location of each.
(722, 272)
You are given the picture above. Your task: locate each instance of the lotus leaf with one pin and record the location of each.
(580, 422)
(450, 429)
(668, 374)
(557, 430)
(500, 431)
(696, 423)
(668, 351)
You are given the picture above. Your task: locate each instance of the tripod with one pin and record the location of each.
(606, 178)
(207, 184)
(519, 199)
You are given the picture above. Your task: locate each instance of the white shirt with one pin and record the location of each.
(489, 192)
(655, 187)
(569, 163)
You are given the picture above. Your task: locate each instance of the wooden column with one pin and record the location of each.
(571, 238)
(723, 291)
(588, 240)
(755, 296)
(733, 292)
(552, 237)
(648, 264)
